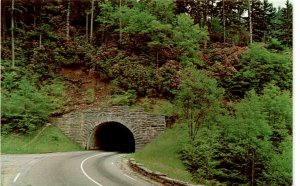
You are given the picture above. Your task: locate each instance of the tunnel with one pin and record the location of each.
(113, 136)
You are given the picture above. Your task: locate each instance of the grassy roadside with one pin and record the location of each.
(51, 139)
(162, 154)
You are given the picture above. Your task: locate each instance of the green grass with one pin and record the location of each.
(162, 154)
(49, 140)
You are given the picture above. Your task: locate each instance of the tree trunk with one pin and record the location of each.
(120, 26)
(205, 12)
(40, 40)
(34, 16)
(157, 61)
(3, 21)
(252, 169)
(239, 11)
(211, 13)
(12, 34)
(250, 20)
(68, 20)
(92, 20)
(224, 22)
(87, 26)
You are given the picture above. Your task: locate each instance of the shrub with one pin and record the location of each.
(259, 67)
(275, 44)
(200, 155)
(127, 98)
(135, 76)
(251, 146)
(27, 104)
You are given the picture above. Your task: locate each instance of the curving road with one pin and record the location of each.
(64, 169)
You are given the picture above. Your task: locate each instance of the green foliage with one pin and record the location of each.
(276, 45)
(282, 24)
(168, 78)
(250, 146)
(135, 20)
(105, 60)
(146, 104)
(147, 49)
(259, 67)
(254, 134)
(246, 136)
(200, 156)
(280, 166)
(72, 53)
(26, 104)
(277, 106)
(198, 98)
(107, 17)
(216, 26)
(263, 13)
(187, 37)
(165, 108)
(127, 98)
(161, 154)
(48, 139)
(135, 76)
(90, 95)
(163, 10)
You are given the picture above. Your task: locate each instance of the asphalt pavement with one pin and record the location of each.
(67, 169)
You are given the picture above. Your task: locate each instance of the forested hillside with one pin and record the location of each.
(220, 68)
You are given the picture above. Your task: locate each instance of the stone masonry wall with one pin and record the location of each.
(80, 126)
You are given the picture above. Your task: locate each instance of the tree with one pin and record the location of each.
(186, 38)
(258, 67)
(163, 10)
(92, 21)
(224, 21)
(87, 12)
(246, 142)
(198, 98)
(201, 155)
(277, 105)
(282, 25)
(12, 33)
(262, 15)
(25, 104)
(229, 13)
(107, 20)
(4, 23)
(68, 20)
(280, 166)
(250, 20)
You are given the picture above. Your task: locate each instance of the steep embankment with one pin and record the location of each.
(47, 139)
(162, 154)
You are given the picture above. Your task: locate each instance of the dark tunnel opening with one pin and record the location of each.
(113, 136)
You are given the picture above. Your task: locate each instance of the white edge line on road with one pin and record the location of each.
(129, 177)
(17, 176)
(81, 166)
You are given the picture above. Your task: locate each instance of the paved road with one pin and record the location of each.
(67, 169)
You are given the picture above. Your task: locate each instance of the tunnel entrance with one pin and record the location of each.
(113, 136)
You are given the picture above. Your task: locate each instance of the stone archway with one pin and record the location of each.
(112, 136)
(81, 126)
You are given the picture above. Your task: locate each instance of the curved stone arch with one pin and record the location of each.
(81, 125)
(94, 127)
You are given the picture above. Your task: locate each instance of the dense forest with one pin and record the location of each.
(222, 67)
